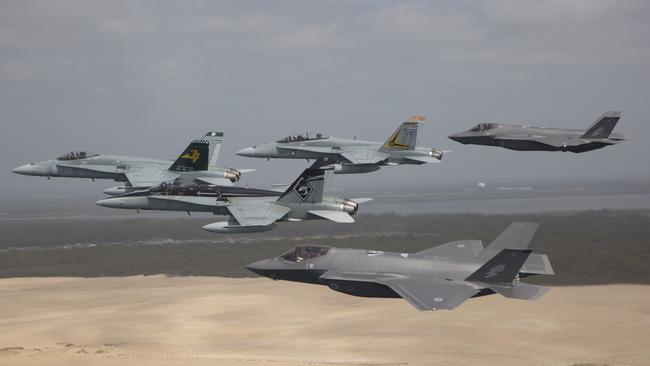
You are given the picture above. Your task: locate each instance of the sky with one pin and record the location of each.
(143, 78)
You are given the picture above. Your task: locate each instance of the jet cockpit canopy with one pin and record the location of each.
(306, 137)
(484, 127)
(305, 252)
(76, 155)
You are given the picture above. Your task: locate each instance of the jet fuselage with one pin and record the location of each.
(371, 264)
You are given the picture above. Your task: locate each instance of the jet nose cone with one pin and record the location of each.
(23, 169)
(110, 203)
(248, 152)
(259, 267)
(458, 137)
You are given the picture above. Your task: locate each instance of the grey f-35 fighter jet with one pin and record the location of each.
(351, 155)
(249, 210)
(196, 164)
(442, 277)
(526, 138)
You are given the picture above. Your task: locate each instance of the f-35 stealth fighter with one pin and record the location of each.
(351, 155)
(526, 138)
(442, 277)
(196, 164)
(249, 210)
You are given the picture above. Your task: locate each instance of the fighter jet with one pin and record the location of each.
(526, 138)
(196, 164)
(249, 210)
(439, 278)
(351, 155)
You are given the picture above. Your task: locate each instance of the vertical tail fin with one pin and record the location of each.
(193, 158)
(214, 140)
(308, 188)
(516, 236)
(406, 136)
(602, 128)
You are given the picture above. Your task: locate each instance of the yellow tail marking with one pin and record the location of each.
(392, 142)
(194, 156)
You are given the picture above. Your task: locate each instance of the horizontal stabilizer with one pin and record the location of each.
(503, 269)
(336, 216)
(362, 199)
(537, 264)
(522, 291)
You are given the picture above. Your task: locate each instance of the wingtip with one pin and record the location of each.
(613, 114)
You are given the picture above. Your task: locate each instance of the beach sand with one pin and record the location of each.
(158, 320)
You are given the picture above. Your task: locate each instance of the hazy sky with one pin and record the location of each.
(145, 77)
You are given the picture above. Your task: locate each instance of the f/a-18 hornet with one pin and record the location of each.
(352, 155)
(249, 210)
(442, 277)
(527, 138)
(196, 164)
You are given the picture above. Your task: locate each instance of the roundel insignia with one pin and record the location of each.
(292, 152)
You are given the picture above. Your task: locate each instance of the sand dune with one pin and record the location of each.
(196, 321)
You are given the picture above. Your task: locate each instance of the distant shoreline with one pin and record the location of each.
(587, 247)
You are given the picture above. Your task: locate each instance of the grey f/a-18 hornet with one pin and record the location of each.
(527, 138)
(196, 164)
(442, 277)
(352, 155)
(249, 210)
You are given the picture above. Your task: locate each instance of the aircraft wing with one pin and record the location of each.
(423, 293)
(364, 156)
(263, 214)
(336, 216)
(148, 176)
(144, 176)
(215, 181)
(427, 294)
(462, 249)
(556, 141)
(423, 159)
